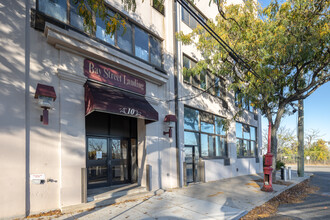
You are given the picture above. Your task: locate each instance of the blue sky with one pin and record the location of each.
(317, 109)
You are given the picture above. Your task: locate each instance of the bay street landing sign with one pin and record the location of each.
(108, 75)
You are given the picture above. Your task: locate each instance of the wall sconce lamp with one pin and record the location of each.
(46, 96)
(170, 121)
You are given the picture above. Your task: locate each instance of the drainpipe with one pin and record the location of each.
(176, 85)
(27, 107)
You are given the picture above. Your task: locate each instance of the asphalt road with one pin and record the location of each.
(315, 206)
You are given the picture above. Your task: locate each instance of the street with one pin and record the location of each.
(315, 206)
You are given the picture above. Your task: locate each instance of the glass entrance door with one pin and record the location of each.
(97, 162)
(192, 159)
(107, 161)
(119, 160)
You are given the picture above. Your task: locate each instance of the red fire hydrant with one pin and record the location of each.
(268, 187)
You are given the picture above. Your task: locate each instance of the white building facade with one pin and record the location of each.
(109, 96)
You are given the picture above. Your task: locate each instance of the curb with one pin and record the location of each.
(277, 193)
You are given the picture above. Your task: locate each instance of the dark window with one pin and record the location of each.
(243, 102)
(191, 119)
(159, 6)
(75, 19)
(124, 38)
(155, 51)
(141, 44)
(101, 30)
(186, 65)
(54, 8)
(205, 80)
(219, 87)
(246, 140)
(202, 79)
(207, 128)
(189, 19)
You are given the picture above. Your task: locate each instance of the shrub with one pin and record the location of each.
(279, 164)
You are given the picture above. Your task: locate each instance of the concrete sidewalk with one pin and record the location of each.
(224, 199)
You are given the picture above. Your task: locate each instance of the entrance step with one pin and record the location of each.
(114, 192)
(110, 195)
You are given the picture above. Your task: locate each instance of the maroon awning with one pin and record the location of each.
(106, 99)
(44, 90)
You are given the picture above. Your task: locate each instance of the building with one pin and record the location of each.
(109, 97)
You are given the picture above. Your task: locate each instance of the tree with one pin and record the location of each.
(318, 151)
(287, 45)
(87, 9)
(311, 136)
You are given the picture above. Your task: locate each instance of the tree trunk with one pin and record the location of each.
(274, 149)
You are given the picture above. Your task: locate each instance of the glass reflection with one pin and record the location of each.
(97, 148)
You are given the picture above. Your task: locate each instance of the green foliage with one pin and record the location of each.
(87, 9)
(279, 164)
(318, 151)
(286, 44)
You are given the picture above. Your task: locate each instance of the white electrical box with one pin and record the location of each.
(38, 178)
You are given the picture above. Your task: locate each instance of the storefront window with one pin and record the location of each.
(220, 147)
(239, 130)
(204, 145)
(54, 8)
(191, 138)
(191, 119)
(245, 140)
(141, 44)
(209, 129)
(219, 126)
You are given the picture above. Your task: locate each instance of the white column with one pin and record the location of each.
(72, 136)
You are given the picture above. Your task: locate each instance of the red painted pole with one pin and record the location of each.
(269, 137)
(268, 164)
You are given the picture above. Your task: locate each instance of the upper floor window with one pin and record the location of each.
(159, 6)
(131, 38)
(215, 85)
(54, 8)
(242, 102)
(75, 19)
(101, 30)
(246, 140)
(189, 19)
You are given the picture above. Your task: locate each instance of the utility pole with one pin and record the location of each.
(301, 158)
